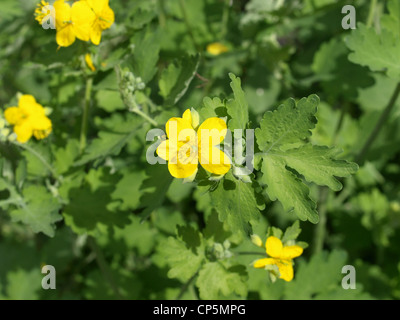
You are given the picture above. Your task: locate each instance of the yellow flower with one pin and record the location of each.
(280, 256)
(217, 48)
(73, 22)
(39, 14)
(28, 119)
(186, 147)
(89, 62)
(104, 18)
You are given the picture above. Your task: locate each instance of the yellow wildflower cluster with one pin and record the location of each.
(281, 257)
(29, 119)
(186, 146)
(84, 19)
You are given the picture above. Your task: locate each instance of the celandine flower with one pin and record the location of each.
(186, 146)
(217, 48)
(84, 19)
(104, 19)
(73, 22)
(281, 256)
(28, 119)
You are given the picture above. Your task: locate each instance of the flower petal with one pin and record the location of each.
(174, 126)
(65, 36)
(107, 17)
(82, 17)
(187, 115)
(98, 5)
(13, 115)
(285, 270)
(180, 170)
(95, 34)
(213, 131)
(291, 252)
(163, 150)
(63, 13)
(38, 122)
(274, 247)
(29, 106)
(261, 263)
(23, 131)
(214, 160)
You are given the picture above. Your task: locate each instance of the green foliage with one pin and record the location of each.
(176, 78)
(281, 139)
(86, 199)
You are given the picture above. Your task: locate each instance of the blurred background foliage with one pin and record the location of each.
(280, 49)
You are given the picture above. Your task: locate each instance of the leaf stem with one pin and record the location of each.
(161, 14)
(105, 269)
(39, 156)
(186, 286)
(371, 14)
(320, 231)
(145, 116)
(250, 253)
(379, 125)
(85, 115)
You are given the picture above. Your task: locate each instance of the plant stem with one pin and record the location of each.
(379, 125)
(105, 269)
(320, 231)
(85, 116)
(188, 27)
(39, 156)
(145, 116)
(371, 14)
(161, 13)
(186, 286)
(250, 253)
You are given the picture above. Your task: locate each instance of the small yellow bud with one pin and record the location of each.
(257, 240)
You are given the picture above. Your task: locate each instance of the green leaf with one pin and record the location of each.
(236, 203)
(146, 54)
(65, 157)
(292, 232)
(379, 52)
(112, 141)
(35, 166)
(286, 156)
(184, 254)
(288, 124)
(285, 186)
(91, 209)
(238, 109)
(215, 281)
(176, 78)
(155, 188)
(23, 285)
(321, 278)
(391, 21)
(336, 74)
(128, 189)
(317, 164)
(39, 210)
(211, 108)
(109, 100)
